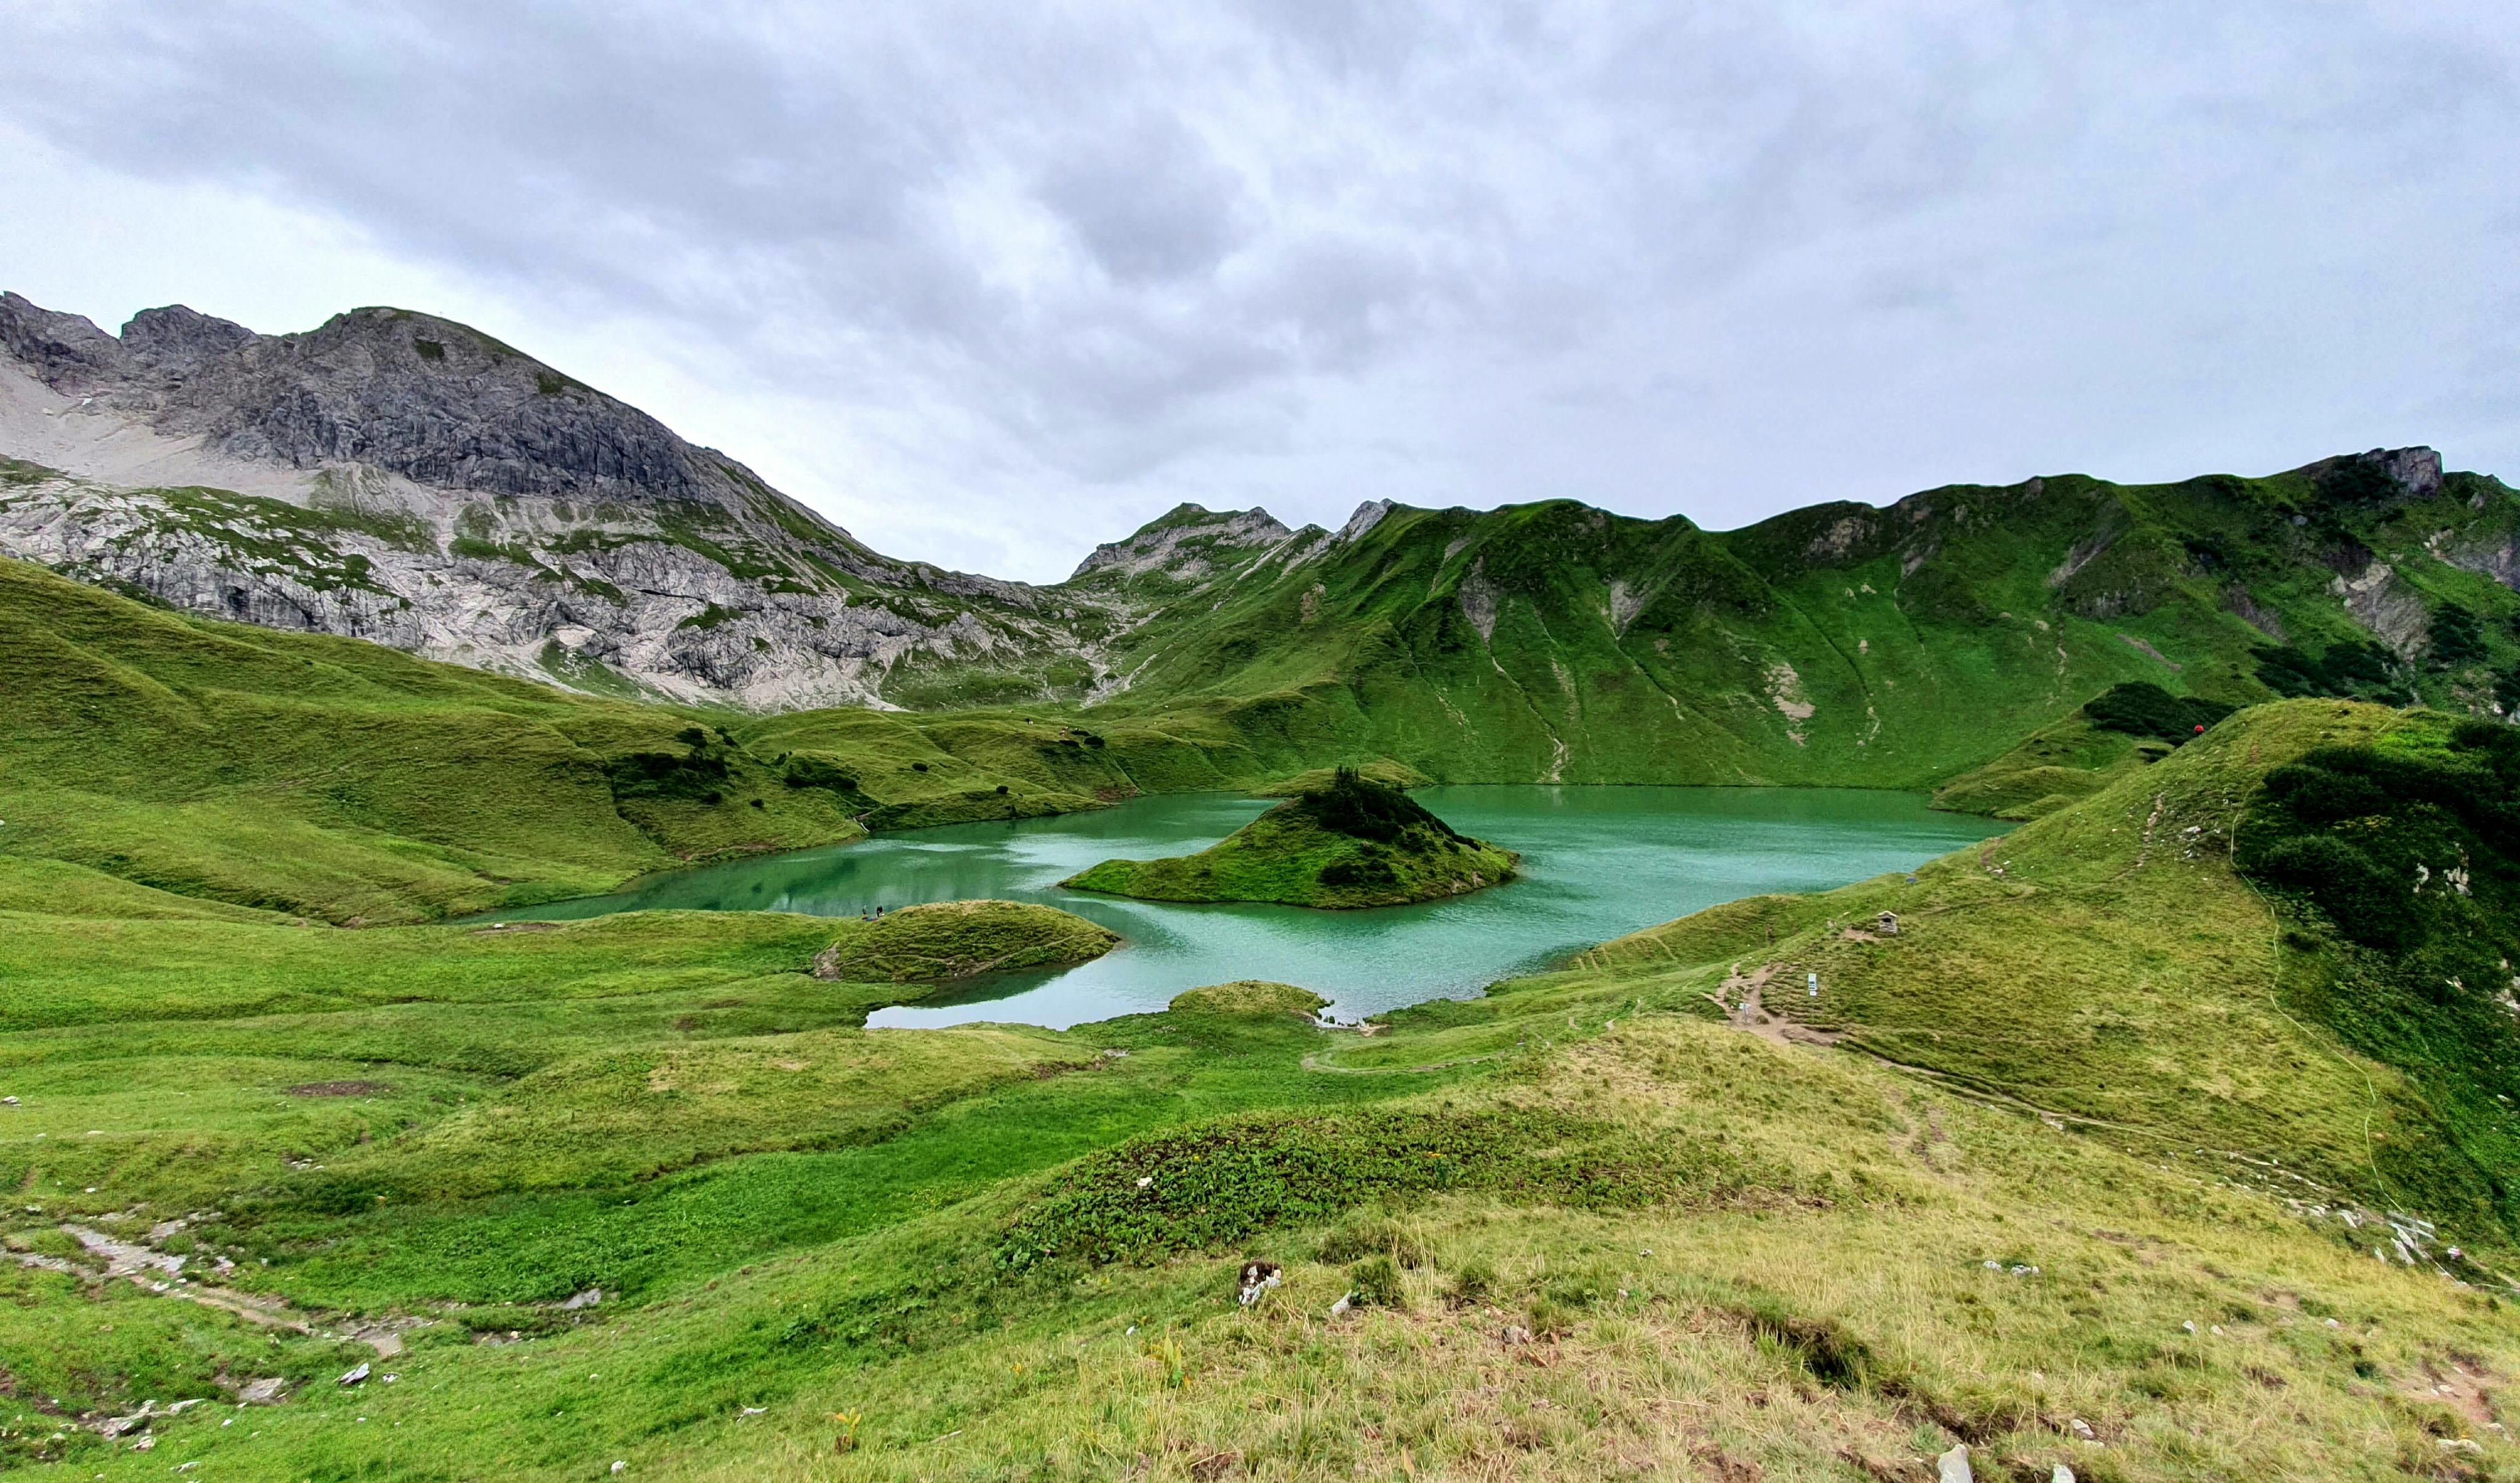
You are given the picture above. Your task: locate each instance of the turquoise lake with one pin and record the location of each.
(1597, 863)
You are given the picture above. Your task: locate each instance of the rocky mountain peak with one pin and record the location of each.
(175, 338)
(404, 478)
(439, 403)
(1180, 544)
(1367, 515)
(64, 351)
(2383, 475)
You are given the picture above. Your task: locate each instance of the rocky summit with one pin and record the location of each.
(400, 477)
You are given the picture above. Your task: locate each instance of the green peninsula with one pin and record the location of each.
(1353, 842)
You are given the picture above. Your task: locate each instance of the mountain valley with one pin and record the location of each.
(2169, 1134)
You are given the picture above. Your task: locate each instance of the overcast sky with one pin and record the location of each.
(989, 284)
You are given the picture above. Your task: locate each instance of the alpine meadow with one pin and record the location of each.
(2168, 1132)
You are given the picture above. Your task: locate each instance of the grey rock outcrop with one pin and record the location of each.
(174, 339)
(1187, 544)
(64, 351)
(400, 477)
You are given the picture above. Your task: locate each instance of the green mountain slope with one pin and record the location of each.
(1839, 643)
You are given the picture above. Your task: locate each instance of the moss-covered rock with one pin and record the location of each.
(956, 939)
(1249, 996)
(1354, 842)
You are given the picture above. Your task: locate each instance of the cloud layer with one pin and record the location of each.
(991, 283)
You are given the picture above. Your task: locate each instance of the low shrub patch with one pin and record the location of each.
(2142, 709)
(1214, 1184)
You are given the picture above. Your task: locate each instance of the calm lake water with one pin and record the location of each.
(1597, 862)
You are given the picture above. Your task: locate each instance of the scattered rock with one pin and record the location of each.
(338, 1089)
(2083, 1429)
(357, 1374)
(1343, 1305)
(1953, 1467)
(1515, 1333)
(587, 1299)
(262, 1392)
(1889, 923)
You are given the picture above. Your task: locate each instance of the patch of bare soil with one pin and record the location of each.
(1743, 998)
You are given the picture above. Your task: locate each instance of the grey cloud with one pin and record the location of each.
(1311, 251)
(1151, 200)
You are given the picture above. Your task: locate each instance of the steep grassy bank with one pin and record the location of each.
(2119, 731)
(1349, 843)
(2107, 963)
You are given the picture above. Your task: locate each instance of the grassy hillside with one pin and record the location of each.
(1350, 842)
(2119, 731)
(2095, 1137)
(1839, 643)
(2106, 965)
(343, 781)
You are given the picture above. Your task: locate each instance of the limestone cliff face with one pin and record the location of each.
(396, 476)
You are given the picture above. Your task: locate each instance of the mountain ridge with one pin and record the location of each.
(396, 476)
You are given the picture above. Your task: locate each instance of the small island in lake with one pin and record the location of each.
(1351, 843)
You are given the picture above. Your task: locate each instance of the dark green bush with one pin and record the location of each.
(2142, 709)
(2360, 480)
(1364, 809)
(663, 774)
(2367, 904)
(697, 774)
(2458, 640)
(2354, 669)
(1368, 870)
(815, 772)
